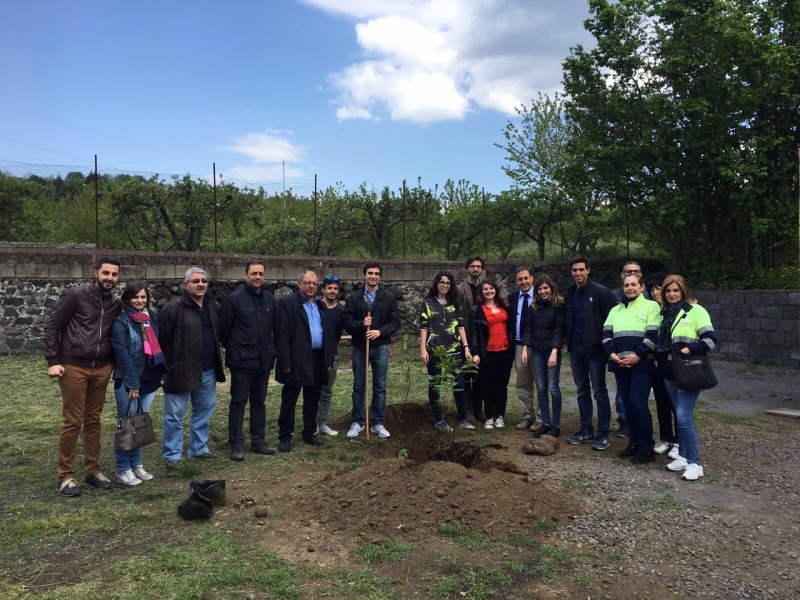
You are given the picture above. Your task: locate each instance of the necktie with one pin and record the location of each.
(523, 317)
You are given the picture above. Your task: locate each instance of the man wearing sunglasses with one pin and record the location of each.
(189, 334)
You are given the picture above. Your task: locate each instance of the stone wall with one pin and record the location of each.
(750, 324)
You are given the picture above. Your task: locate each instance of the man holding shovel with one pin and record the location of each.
(371, 317)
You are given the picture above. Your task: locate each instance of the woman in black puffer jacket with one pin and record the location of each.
(543, 339)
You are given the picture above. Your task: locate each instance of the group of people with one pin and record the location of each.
(632, 331)
(92, 336)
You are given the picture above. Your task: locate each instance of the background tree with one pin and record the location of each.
(682, 119)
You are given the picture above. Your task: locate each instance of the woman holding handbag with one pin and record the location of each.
(685, 330)
(138, 372)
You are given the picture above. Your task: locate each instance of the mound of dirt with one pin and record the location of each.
(391, 497)
(423, 478)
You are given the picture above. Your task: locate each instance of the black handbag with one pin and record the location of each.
(693, 372)
(133, 430)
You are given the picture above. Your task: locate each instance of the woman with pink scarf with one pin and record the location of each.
(138, 372)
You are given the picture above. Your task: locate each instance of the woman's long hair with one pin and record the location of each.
(498, 297)
(452, 294)
(556, 299)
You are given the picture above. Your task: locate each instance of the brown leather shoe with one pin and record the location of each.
(526, 423)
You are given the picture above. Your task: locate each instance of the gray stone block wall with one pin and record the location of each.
(755, 324)
(763, 325)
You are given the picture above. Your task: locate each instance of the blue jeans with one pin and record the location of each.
(132, 458)
(203, 399)
(685, 402)
(323, 412)
(547, 379)
(634, 387)
(589, 373)
(619, 405)
(379, 359)
(459, 395)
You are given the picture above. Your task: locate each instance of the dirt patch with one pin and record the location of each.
(441, 481)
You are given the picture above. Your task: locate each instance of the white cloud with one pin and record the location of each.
(266, 173)
(268, 147)
(267, 152)
(431, 60)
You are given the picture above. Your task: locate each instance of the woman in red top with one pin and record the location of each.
(492, 350)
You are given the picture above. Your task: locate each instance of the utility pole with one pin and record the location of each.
(214, 170)
(96, 207)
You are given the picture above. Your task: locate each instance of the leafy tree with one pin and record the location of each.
(457, 221)
(685, 117)
(162, 216)
(18, 199)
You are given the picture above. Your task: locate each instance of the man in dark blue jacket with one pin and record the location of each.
(370, 314)
(246, 321)
(588, 304)
(304, 343)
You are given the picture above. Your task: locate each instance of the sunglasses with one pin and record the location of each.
(331, 279)
(196, 281)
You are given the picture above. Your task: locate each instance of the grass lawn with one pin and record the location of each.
(129, 543)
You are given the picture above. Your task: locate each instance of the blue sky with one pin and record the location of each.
(372, 91)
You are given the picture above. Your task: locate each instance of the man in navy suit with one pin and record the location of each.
(519, 303)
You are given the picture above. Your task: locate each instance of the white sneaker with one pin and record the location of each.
(141, 473)
(127, 478)
(326, 430)
(489, 424)
(679, 464)
(380, 430)
(354, 430)
(693, 472)
(674, 452)
(661, 447)
(499, 423)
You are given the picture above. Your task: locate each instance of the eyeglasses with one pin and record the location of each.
(196, 281)
(631, 272)
(309, 282)
(331, 279)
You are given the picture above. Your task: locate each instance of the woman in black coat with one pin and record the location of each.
(543, 339)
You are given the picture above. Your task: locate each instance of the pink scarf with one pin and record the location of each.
(151, 348)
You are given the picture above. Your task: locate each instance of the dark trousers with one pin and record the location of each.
(460, 397)
(495, 371)
(311, 395)
(244, 387)
(474, 402)
(634, 385)
(667, 421)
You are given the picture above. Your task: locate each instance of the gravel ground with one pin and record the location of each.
(733, 534)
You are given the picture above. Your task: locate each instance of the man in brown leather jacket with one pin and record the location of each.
(78, 353)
